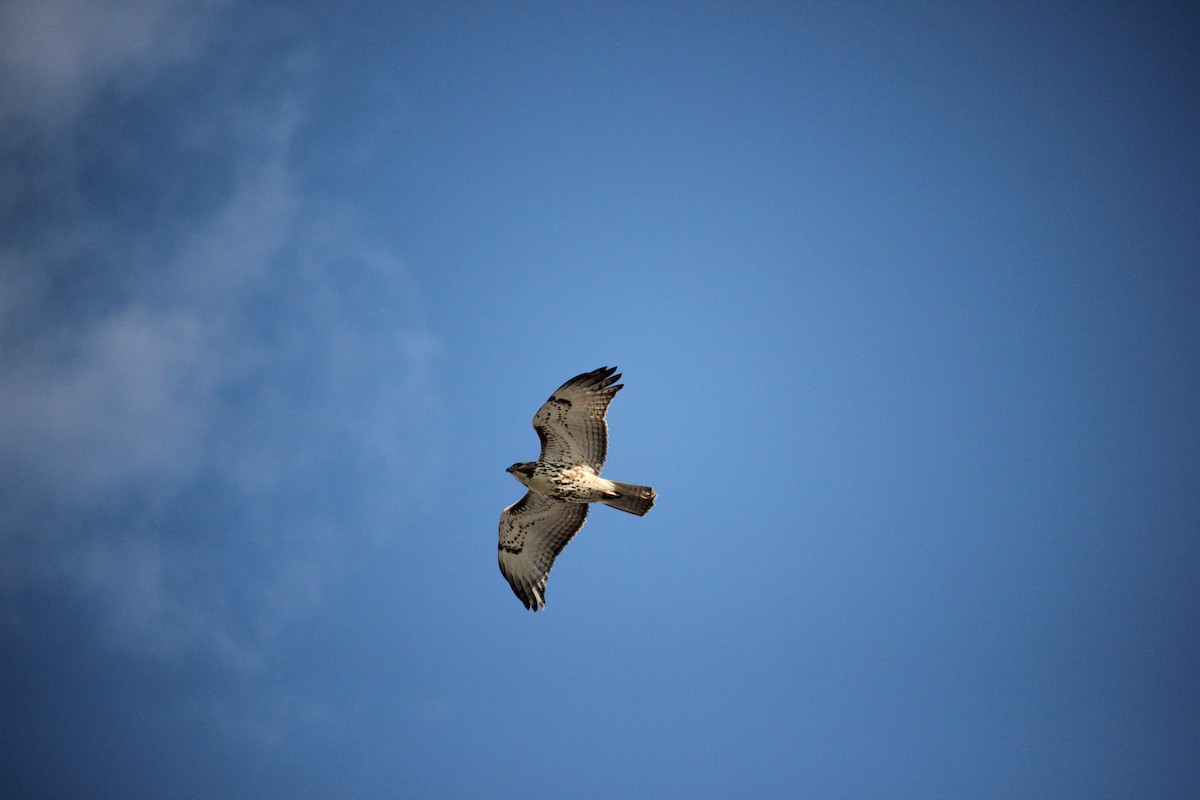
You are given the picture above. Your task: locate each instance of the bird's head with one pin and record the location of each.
(522, 471)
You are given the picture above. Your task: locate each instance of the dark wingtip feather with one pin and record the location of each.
(598, 380)
(604, 377)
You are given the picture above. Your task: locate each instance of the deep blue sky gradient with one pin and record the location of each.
(905, 296)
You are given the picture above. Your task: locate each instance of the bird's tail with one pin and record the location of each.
(633, 499)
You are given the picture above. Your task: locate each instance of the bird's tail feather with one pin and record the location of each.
(631, 498)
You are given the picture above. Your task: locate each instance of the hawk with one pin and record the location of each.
(561, 483)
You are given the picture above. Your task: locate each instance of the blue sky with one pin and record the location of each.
(905, 298)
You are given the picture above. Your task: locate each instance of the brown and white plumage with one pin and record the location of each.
(533, 531)
(566, 477)
(571, 423)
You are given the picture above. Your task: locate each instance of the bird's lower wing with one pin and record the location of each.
(533, 531)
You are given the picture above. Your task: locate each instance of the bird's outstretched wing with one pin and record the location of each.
(571, 423)
(533, 531)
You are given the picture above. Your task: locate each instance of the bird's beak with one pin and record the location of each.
(508, 469)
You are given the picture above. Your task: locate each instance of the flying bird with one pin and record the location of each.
(561, 483)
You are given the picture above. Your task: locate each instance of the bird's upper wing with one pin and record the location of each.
(571, 423)
(533, 531)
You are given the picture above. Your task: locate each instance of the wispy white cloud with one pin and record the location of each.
(57, 54)
(250, 375)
